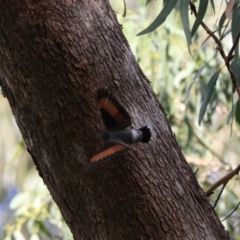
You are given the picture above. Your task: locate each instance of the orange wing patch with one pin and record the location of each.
(110, 151)
(105, 103)
(115, 111)
(114, 116)
(108, 105)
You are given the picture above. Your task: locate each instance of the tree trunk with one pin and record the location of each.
(54, 56)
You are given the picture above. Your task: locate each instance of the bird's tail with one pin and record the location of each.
(146, 134)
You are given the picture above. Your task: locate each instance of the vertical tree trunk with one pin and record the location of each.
(54, 56)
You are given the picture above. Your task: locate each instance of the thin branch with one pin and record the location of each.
(219, 195)
(226, 59)
(218, 42)
(234, 210)
(223, 180)
(196, 171)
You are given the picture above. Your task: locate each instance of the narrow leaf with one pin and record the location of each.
(235, 65)
(207, 95)
(43, 228)
(194, 80)
(237, 112)
(201, 13)
(226, 33)
(213, 6)
(230, 115)
(183, 8)
(167, 8)
(125, 9)
(221, 22)
(236, 29)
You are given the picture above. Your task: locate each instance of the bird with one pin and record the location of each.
(120, 134)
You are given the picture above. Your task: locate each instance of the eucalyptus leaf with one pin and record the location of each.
(236, 29)
(207, 95)
(237, 113)
(221, 22)
(43, 228)
(213, 5)
(230, 115)
(125, 9)
(183, 8)
(167, 8)
(235, 65)
(201, 13)
(193, 81)
(226, 33)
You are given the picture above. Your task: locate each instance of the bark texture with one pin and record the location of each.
(54, 56)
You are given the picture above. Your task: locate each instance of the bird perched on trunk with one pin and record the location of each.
(117, 121)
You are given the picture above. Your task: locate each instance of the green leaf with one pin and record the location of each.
(207, 95)
(194, 80)
(125, 9)
(43, 228)
(235, 65)
(237, 112)
(230, 115)
(213, 6)
(183, 8)
(236, 29)
(201, 13)
(221, 22)
(167, 8)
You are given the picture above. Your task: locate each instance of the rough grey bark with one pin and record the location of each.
(54, 55)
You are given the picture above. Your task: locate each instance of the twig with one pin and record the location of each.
(196, 171)
(226, 59)
(219, 195)
(223, 180)
(235, 209)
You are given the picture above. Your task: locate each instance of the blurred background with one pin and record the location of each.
(179, 80)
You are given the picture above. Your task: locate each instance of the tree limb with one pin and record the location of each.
(223, 180)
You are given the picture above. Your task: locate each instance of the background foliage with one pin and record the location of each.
(180, 69)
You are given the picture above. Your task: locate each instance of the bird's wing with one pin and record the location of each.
(111, 148)
(114, 116)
